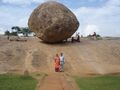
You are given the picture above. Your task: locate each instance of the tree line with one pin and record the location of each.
(18, 30)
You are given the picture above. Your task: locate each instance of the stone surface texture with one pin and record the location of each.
(53, 22)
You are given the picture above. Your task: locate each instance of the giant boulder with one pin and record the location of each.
(53, 22)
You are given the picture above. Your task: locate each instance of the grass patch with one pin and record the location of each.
(17, 82)
(99, 83)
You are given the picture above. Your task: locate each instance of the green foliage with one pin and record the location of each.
(16, 28)
(24, 30)
(89, 35)
(17, 82)
(92, 35)
(98, 35)
(7, 33)
(14, 34)
(99, 83)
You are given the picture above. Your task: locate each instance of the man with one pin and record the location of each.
(94, 36)
(62, 61)
(78, 37)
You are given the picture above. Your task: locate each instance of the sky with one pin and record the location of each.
(101, 16)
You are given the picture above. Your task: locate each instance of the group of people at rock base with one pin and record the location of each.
(59, 63)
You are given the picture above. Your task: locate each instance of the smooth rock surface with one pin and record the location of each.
(53, 22)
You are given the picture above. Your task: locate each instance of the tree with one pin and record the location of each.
(26, 31)
(7, 33)
(14, 33)
(16, 28)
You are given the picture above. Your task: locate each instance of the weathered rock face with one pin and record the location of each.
(53, 22)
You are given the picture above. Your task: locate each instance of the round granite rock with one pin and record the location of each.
(53, 22)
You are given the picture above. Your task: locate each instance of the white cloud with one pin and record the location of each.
(17, 2)
(1, 30)
(24, 2)
(22, 22)
(14, 16)
(105, 18)
(90, 29)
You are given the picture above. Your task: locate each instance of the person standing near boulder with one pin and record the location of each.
(57, 63)
(78, 37)
(62, 62)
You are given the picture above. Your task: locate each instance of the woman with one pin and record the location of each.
(57, 63)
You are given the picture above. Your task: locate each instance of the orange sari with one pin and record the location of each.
(57, 64)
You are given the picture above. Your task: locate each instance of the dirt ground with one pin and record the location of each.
(90, 57)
